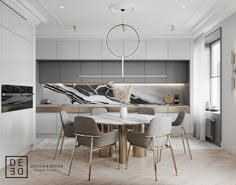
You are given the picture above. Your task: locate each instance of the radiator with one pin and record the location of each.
(210, 129)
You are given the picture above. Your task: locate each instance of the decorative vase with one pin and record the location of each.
(123, 112)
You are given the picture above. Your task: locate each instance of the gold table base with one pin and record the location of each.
(138, 151)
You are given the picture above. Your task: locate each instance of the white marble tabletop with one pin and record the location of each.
(115, 119)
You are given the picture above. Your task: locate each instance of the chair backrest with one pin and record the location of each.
(65, 119)
(86, 126)
(161, 128)
(100, 110)
(179, 120)
(146, 110)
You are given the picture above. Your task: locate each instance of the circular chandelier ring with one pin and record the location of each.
(124, 55)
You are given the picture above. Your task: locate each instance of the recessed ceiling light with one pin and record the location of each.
(62, 7)
(184, 7)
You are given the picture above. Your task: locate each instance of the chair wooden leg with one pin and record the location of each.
(55, 155)
(157, 159)
(62, 142)
(182, 137)
(90, 158)
(117, 158)
(128, 157)
(155, 163)
(185, 136)
(160, 155)
(72, 156)
(173, 157)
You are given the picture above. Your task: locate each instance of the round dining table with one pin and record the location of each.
(122, 123)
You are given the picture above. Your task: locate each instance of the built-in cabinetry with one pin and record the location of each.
(50, 123)
(69, 71)
(96, 71)
(156, 49)
(17, 67)
(89, 61)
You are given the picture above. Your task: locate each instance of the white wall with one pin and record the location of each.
(17, 67)
(228, 96)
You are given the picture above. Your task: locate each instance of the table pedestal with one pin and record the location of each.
(138, 151)
(123, 144)
(106, 152)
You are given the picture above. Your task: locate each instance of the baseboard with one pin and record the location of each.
(47, 136)
(229, 148)
(22, 152)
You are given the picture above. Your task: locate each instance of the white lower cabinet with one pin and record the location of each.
(46, 123)
(50, 123)
(71, 117)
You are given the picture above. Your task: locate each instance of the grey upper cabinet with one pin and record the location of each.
(112, 71)
(131, 45)
(157, 49)
(49, 72)
(90, 49)
(155, 72)
(179, 49)
(68, 49)
(116, 46)
(134, 72)
(176, 72)
(91, 71)
(70, 72)
(46, 49)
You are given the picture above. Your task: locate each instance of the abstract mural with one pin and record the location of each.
(103, 94)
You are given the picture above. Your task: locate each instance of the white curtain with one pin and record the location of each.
(201, 70)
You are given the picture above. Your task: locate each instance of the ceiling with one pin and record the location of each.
(152, 18)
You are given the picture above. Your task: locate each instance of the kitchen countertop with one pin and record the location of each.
(111, 107)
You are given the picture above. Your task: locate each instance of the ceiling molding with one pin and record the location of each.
(24, 8)
(202, 12)
(215, 18)
(50, 14)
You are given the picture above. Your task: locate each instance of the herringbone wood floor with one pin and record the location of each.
(208, 167)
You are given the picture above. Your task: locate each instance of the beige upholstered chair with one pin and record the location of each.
(88, 136)
(146, 110)
(155, 138)
(67, 130)
(179, 131)
(99, 110)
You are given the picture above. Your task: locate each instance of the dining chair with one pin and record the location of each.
(89, 137)
(179, 131)
(146, 110)
(155, 138)
(67, 130)
(98, 110)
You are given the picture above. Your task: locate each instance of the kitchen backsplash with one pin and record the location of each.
(103, 93)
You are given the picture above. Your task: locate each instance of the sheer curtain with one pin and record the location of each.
(201, 72)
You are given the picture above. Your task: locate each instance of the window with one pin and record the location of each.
(215, 73)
